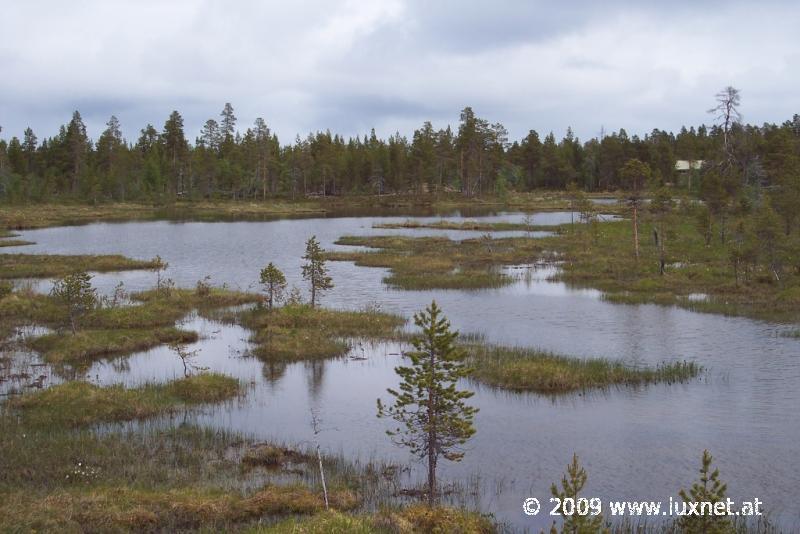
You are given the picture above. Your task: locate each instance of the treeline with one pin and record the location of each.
(477, 159)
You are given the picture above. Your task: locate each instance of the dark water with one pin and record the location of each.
(635, 443)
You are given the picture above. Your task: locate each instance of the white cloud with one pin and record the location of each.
(393, 64)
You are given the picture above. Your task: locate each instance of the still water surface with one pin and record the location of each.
(636, 443)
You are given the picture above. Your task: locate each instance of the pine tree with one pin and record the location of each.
(75, 291)
(635, 174)
(571, 485)
(274, 284)
(315, 271)
(436, 420)
(709, 489)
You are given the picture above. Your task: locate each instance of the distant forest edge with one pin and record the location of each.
(477, 159)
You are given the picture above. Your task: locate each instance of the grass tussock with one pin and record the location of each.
(53, 265)
(78, 403)
(299, 332)
(440, 263)
(87, 346)
(533, 370)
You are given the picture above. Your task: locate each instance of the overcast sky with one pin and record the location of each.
(392, 64)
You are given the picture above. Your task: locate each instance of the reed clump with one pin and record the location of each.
(525, 369)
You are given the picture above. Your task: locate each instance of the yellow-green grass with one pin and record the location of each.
(157, 308)
(413, 519)
(438, 262)
(15, 242)
(300, 332)
(544, 372)
(81, 349)
(52, 265)
(187, 299)
(80, 403)
(133, 510)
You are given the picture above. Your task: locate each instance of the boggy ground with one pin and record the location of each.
(600, 255)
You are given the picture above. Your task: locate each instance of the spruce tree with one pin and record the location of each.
(709, 489)
(274, 284)
(434, 420)
(314, 269)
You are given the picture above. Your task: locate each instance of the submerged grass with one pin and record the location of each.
(544, 372)
(52, 265)
(87, 346)
(79, 403)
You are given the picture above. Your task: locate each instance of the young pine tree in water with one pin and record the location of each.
(571, 485)
(427, 404)
(76, 293)
(709, 489)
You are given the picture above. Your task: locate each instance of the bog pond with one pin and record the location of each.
(639, 443)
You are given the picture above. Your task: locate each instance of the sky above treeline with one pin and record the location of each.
(392, 64)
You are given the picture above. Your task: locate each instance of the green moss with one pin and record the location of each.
(87, 346)
(544, 372)
(80, 403)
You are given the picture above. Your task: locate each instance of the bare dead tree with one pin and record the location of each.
(727, 113)
(315, 426)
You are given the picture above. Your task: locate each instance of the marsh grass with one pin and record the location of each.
(52, 265)
(77, 403)
(440, 263)
(544, 372)
(411, 519)
(605, 261)
(87, 346)
(299, 332)
(15, 242)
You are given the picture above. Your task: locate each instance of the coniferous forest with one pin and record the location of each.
(231, 161)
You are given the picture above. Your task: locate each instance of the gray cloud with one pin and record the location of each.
(391, 64)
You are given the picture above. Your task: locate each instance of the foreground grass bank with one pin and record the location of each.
(187, 478)
(523, 369)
